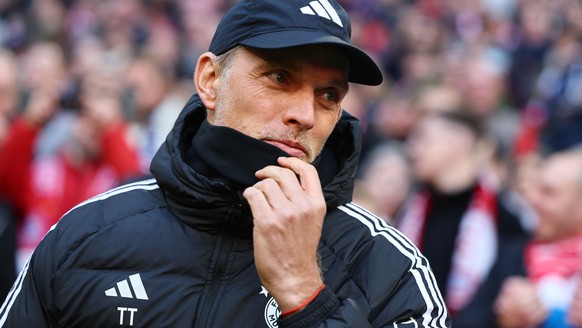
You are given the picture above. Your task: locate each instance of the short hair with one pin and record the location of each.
(467, 119)
(392, 149)
(225, 60)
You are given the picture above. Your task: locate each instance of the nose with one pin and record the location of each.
(301, 111)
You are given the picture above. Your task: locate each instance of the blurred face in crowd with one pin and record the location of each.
(483, 87)
(436, 144)
(44, 67)
(387, 182)
(395, 118)
(289, 98)
(86, 138)
(148, 84)
(558, 199)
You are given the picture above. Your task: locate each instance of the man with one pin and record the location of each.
(551, 294)
(384, 181)
(456, 218)
(95, 157)
(156, 105)
(248, 221)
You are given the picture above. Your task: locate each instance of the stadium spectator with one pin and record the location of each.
(454, 215)
(550, 295)
(95, 157)
(384, 180)
(156, 105)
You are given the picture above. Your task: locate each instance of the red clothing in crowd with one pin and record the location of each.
(43, 189)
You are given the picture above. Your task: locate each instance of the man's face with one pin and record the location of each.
(436, 144)
(558, 200)
(290, 98)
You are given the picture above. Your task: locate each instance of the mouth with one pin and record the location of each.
(290, 147)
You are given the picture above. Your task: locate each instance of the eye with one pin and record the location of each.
(279, 77)
(332, 96)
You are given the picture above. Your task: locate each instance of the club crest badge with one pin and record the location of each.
(272, 311)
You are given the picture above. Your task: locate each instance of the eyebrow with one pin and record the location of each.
(292, 63)
(342, 84)
(273, 59)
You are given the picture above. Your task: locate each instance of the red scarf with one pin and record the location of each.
(555, 268)
(475, 245)
(562, 258)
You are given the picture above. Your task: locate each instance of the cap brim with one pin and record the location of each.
(363, 69)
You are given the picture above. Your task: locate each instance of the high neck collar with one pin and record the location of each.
(228, 156)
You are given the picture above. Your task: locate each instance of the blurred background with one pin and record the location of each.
(89, 89)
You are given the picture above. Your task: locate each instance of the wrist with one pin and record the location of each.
(297, 294)
(320, 308)
(305, 303)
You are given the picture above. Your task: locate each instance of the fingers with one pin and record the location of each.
(518, 304)
(266, 197)
(308, 176)
(292, 190)
(294, 177)
(43, 104)
(280, 178)
(257, 201)
(288, 208)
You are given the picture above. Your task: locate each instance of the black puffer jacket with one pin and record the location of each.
(176, 251)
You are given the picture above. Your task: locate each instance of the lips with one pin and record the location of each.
(290, 147)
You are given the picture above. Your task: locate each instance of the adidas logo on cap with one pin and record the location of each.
(322, 8)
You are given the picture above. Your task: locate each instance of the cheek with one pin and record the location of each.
(429, 154)
(325, 123)
(551, 214)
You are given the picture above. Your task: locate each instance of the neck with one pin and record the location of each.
(457, 178)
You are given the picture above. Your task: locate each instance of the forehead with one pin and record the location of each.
(324, 56)
(438, 124)
(563, 171)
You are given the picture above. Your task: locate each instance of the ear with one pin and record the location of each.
(205, 77)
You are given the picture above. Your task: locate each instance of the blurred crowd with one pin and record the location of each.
(477, 95)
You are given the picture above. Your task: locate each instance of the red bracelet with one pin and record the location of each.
(304, 304)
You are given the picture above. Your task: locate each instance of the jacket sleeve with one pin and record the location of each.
(376, 278)
(326, 310)
(29, 303)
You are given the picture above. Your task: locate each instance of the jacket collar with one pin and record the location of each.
(203, 169)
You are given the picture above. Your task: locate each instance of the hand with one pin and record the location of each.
(575, 310)
(288, 209)
(518, 305)
(42, 106)
(103, 111)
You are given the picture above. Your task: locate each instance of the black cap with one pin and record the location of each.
(275, 24)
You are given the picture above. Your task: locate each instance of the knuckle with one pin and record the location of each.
(266, 184)
(289, 214)
(287, 173)
(250, 192)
